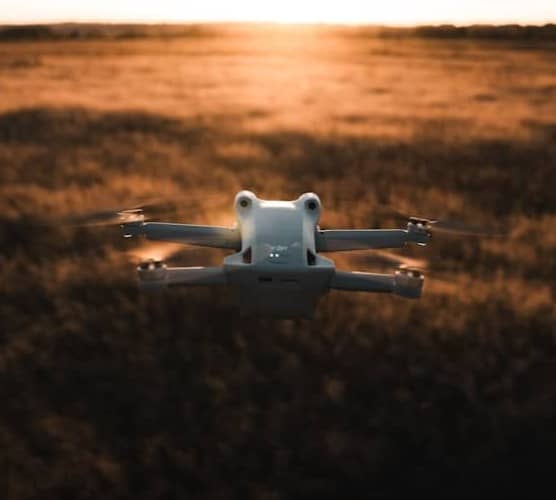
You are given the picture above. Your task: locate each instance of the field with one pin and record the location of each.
(110, 393)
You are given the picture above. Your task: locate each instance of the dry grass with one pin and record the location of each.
(147, 397)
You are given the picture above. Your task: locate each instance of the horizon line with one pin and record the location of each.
(236, 22)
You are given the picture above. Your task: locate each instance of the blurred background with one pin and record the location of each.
(441, 111)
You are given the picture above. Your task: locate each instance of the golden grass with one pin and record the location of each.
(377, 87)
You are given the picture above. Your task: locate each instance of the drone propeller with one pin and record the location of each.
(446, 225)
(111, 217)
(454, 227)
(437, 281)
(142, 211)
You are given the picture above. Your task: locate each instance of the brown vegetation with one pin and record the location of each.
(109, 393)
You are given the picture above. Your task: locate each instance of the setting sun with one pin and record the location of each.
(395, 12)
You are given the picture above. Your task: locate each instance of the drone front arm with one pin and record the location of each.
(189, 234)
(336, 240)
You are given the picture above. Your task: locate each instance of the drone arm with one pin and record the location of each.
(403, 283)
(195, 276)
(206, 236)
(158, 278)
(359, 239)
(362, 282)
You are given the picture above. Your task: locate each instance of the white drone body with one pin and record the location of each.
(276, 266)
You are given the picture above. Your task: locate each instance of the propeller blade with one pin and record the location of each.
(446, 225)
(157, 251)
(102, 218)
(152, 207)
(459, 228)
(385, 258)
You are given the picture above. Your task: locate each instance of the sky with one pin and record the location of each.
(391, 12)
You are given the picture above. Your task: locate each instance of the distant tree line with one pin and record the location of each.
(70, 31)
(506, 32)
(26, 33)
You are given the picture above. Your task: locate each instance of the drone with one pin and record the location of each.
(276, 266)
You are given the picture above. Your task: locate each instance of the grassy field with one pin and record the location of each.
(109, 393)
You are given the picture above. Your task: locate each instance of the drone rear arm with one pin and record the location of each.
(362, 282)
(404, 283)
(155, 278)
(360, 239)
(205, 236)
(195, 276)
